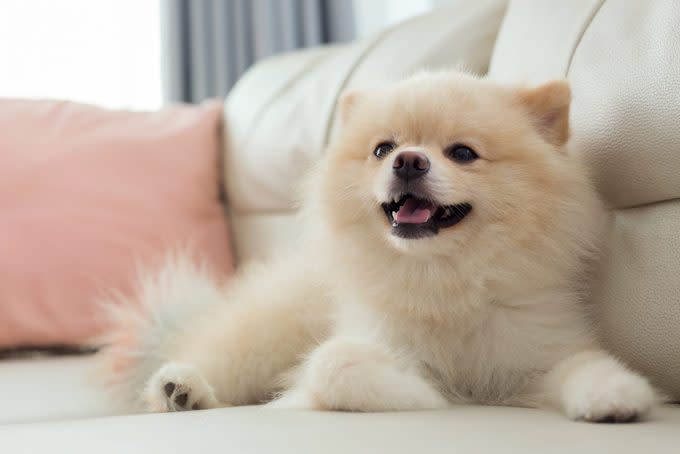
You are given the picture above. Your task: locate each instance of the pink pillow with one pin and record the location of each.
(87, 196)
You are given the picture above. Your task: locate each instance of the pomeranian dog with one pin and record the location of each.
(447, 240)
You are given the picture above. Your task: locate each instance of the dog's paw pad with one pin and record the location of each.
(181, 399)
(169, 388)
(178, 387)
(617, 418)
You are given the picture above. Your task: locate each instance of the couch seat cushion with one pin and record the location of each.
(44, 389)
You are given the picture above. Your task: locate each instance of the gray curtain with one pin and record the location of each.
(208, 44)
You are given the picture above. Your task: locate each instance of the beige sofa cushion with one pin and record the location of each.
(50, 388)
(280, 115)
(469, 430)
(623, 60)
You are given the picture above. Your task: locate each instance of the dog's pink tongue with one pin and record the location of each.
(414, 211)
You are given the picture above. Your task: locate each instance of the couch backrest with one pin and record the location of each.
(280, 115)
(622, 58)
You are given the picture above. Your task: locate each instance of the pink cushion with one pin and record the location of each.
(87, 196)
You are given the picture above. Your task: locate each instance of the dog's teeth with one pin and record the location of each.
(394, 215)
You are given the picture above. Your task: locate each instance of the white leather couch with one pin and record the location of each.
(623, 60)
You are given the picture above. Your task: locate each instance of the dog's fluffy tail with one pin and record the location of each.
(143, 327)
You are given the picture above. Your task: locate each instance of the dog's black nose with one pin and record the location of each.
(409, 165)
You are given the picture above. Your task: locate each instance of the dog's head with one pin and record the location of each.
(443, 161)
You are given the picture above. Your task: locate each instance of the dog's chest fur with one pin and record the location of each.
(475, 349)
(485, 357)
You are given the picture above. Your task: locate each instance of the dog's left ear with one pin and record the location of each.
(548, 105)
(347, 103)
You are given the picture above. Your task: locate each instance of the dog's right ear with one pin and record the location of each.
(347, 103)
(548, 105)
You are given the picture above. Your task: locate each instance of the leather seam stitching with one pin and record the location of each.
(581, 35)
(343, 84)
(323, 53)
(645, 204)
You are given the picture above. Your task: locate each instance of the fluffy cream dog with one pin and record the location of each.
(446, 244)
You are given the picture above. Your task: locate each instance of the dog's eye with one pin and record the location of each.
(383, 149)
(461, 153)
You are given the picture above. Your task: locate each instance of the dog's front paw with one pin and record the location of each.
(178, 387)
(619, 397)
(350, 376)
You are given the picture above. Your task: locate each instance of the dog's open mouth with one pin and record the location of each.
(413, 217)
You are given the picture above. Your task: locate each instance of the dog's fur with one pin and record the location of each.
(359, 318)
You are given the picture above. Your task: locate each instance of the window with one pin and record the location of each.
(99, 52)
